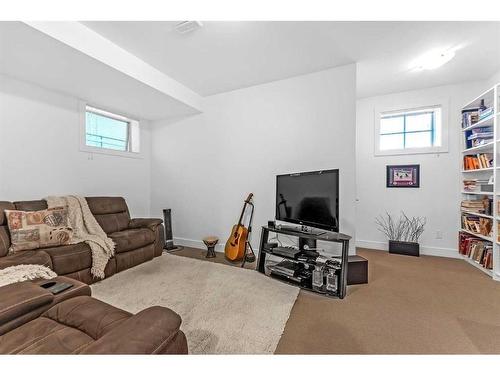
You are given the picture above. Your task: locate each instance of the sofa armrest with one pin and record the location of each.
(148, 332)
(26, 257)
(19, 299)
(144, 223)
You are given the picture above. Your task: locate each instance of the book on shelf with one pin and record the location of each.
(477, 224)
(478, 161)
(470, 117)
(482, 114)
(480, 251)
(479, 136)
(474, 185)
(480, 206)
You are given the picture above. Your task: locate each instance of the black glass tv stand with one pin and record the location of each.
(304, 242)
(304, 237)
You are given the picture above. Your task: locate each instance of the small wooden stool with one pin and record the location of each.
(210, 242)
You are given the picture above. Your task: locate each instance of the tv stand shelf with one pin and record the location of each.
(323, 236)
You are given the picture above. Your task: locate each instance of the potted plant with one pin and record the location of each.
(403, 233)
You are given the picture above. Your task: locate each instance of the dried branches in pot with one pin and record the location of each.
(403, 229)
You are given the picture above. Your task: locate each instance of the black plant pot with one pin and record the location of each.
(404, 248)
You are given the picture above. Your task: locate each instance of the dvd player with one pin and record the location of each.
(286, 251)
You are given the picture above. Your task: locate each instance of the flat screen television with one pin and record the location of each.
(309, 199)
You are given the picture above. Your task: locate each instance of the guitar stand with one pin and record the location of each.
(249, 255)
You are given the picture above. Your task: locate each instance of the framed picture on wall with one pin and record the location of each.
(403, 176)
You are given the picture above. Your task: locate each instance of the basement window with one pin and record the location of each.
(410, 131)
(110, 133)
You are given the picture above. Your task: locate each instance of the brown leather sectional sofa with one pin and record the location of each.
(137, 240)
(35, 321)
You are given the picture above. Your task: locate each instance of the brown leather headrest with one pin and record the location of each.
(31, 205)
(106, 205)
(4, 205)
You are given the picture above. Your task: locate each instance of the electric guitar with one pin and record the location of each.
(236, 243)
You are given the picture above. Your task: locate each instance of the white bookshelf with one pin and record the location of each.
(491, 99)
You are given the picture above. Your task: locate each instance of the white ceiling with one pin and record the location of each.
(224, 56)
(32, 56)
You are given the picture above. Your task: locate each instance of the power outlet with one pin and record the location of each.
(439, 235)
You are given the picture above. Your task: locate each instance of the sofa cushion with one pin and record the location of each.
(85, 276)
(144, 223)
(94, 317)
(66, 328)
(86, 325)
(106, 205)
(70, 258)
(110, 212)
(5, 206)
(26, 257)
(31, 205)
(31, 230)
(113, 222)
(131, 239)
(152, 330)
(4, 241)
(4, 234)
(132, 258)
(43, 336)
(20, 298)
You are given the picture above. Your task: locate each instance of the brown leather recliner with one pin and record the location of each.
(34, 321)
(137, 240)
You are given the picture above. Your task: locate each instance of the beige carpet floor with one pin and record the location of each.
(425, 305)
(224, 309)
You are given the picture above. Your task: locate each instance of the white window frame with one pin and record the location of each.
(413, 107)
(134, 146)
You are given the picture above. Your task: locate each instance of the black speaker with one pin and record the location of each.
(169, 237)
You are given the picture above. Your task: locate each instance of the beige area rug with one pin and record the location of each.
(224, 309)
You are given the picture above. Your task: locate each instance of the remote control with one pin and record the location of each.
(59, 287)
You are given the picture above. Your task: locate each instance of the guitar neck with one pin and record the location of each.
(242, 213)
(244, 207)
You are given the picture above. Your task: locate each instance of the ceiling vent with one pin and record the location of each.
(186, 27)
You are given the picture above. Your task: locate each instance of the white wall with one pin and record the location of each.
(493, 80)
(439, 194)
(204, 166)
(39, 151)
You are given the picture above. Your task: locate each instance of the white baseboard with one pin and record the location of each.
(198, 244)
(424, 250)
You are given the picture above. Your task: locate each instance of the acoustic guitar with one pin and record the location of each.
(236, 243)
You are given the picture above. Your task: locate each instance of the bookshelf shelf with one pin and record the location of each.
(477, 170)
(478, 192)
(486, 238)
(470, 243)
(488, 121)
(474, 150)
(476, 214)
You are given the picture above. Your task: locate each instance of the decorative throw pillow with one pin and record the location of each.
(31, 230)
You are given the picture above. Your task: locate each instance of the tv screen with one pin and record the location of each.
(309, 198)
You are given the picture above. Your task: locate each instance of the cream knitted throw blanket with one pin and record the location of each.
(86, 229)
(24, 272)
